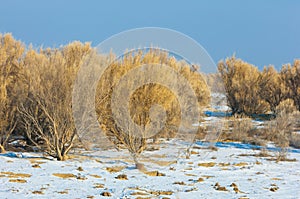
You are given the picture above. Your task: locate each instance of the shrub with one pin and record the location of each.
(240, 129)
(281, 128)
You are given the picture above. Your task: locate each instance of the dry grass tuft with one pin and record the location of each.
(95, 176)
(222, 164)
(162, 162)
(154, 173)
(200, 180)
(207, 164)
(98, 186)
(18, 180)
(64, 175)
(180, 183)
(207, 176)
(79, 169)
(240, 164)
(38, 192)
(115, 169)
(63, 192)
(158, 193)
(219, 188)
(15, 175)
(106, 194)
(139, 193)
(122, 177)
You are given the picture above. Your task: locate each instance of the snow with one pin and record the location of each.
(231, 163)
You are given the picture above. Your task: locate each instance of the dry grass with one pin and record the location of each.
(207, 176)
(18, 180)
(139, 193)
(295, 140)
(154, 173)
(63, 192)
(98, 186)
(38, 192)
(15, 175)
(64, 175)
(122, 177)
(240, 164)
(106, 194)
(162, 162)
(207, 164)
(95, 176)
(115, 169)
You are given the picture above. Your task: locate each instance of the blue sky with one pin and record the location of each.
(260, 32)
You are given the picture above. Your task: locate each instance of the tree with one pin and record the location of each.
(291, 78)
(11, 52)
(47, 111)
(272, 87)
(151, 106)
(242, 86)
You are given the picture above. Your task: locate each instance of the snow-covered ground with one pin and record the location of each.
(231, 171)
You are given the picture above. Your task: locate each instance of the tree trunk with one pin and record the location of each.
(2, 149)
